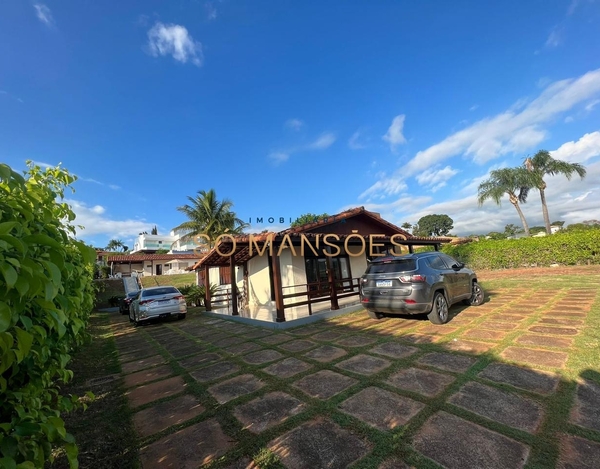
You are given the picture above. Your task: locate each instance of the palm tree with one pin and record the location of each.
(114, 245)
(208, 216)
(542, 164)
(514, 182)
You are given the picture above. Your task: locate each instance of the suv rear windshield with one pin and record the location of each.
(159, 291)
(391, 267)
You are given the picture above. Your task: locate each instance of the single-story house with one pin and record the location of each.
(152, 264)
(303, 270)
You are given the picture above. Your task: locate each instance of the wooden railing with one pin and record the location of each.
(318, 292)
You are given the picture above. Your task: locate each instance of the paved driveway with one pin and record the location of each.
(494, 388)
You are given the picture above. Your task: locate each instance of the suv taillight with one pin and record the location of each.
(412, 278)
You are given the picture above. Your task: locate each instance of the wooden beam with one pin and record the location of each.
(206, 288)
(331, 279)
(278, 288)
(410, 248)
(234, 296)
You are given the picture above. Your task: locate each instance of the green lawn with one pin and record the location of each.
(178, 280)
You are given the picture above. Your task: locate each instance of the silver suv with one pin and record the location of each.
(424, 283)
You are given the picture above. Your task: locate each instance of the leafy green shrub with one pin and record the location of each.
(564, 248)
(194, 294)
(46, 296)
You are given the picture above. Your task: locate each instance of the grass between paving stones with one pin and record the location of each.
(103, 432)
(395, 443)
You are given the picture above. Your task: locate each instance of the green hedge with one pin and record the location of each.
(46, 296)
(564, 248)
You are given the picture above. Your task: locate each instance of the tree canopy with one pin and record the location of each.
(308, 218)
(434, 225)
(207, 215)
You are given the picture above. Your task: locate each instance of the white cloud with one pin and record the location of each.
(174, 40)
(475, 106)
(41, 164)
(354, 143)
(279, 156)
(590, 107)
(510, 131)
(585, 148)
(44, 14)
(294, 124)
(394, 134)
(568, 119)
(436, 178)
(572, 201)
(6, 93)
(323, 142)
(211, 11)
(96, 223)
(386, 186)
(554, 38)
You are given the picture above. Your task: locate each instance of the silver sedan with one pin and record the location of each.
(157, 303)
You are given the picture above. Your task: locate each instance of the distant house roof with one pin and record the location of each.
(152, 257)
(344, 224)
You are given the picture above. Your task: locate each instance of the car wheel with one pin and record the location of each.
(439, 312)
(477, 296)
(374, 315)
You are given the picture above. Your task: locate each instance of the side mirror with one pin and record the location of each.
(458, 266)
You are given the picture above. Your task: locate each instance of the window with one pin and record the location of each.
(316, 272)
(436, 262)
(392, 267)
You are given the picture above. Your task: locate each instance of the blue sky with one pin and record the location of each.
(294, 107)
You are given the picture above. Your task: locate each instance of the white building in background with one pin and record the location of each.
(149, 244)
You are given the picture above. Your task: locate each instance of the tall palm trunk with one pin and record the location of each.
(545, 208)
(515, 201)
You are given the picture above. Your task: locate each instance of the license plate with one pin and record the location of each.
(165, 315)
(383, 283)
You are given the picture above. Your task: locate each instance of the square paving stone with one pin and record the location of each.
(356, 341)
(276, 339)
(189, 448)
(288, 367)
(242, 463)
(243, 348)
(267, 411)
(393, 464)
(562, 313)
(459, 444)
(501, 406)
(233, 388)
(437, 329)
(187, 351)
(327, 336)
(553, 330)
(418, 338)
(326, 353)
(447, 361)
(166, 414)
(544, 341)
(256, 334)
(218, 370)
(498, 325)
(428, 383)
(539, 382)
(229, 341)
(308, 330)
(152, 392)
(151, 374)
(380, 408)
(297, 345)
(199, 360)
(319, 444)
(364, 364)
(586, 410)
(578, 453)
(536, 357)
(509, 317)
(484, 334)
(262, 356)
(469, 346)
(324, 384)
(562, 322)
(142, 363)
(394, 350)
(137, 354)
